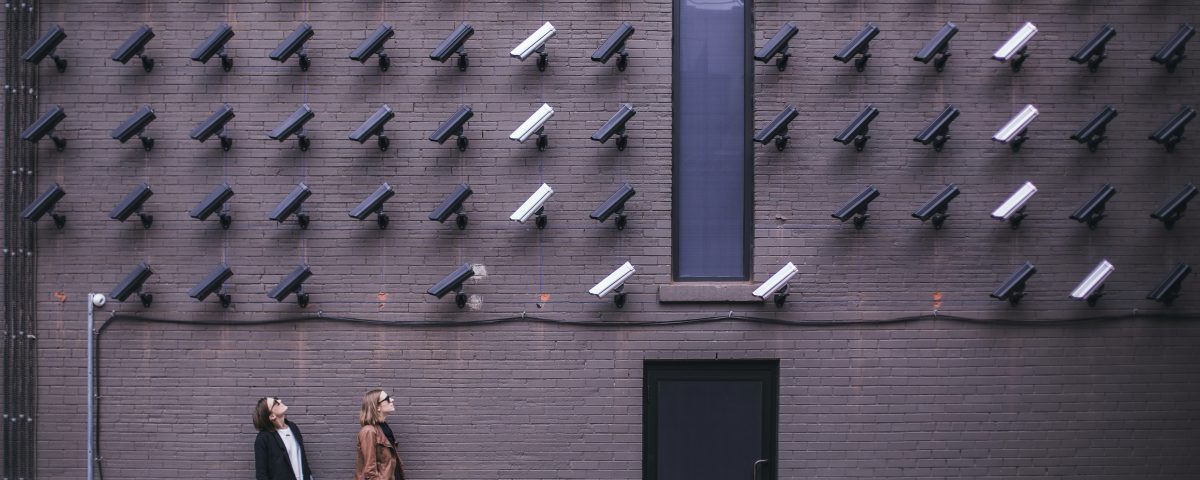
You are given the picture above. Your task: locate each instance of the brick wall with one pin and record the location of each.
(927, 399)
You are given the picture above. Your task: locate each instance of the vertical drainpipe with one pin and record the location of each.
(93, 300)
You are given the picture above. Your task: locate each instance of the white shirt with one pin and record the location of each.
(293, 449)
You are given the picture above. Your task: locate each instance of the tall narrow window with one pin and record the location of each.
(712, 208)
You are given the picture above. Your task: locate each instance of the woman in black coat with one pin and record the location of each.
(279, 447)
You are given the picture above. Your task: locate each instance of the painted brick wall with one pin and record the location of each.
(928, 399)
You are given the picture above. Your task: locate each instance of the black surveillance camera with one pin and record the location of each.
(136, 45)
(212, 203)
(292, 283)
(615, 204)
(938, 47)
(1171, 132)
(778, 45)
(1092, 52)
(374, 204)
(45, 126)
(858, 45)
(938, 131)
(778, 127)
(1172, 52)
(132, 203)
(856, 208)
(1093, 132)
(857, 130)
(294, 124)
(453, 204)
(1168, 290)
(454, 283)
(291, 204)
(215, 125)
(1093, 211)
(45, 47)
(44, 204)
(212, 284)
(134, 283)
(1172, 211)
(136, 125)
(615, 45)
(616, 126)
(374, 126)
(937, 206)
(292, 44)
(455, 43)
(374, 45)
(454, 126)
(215, 45)
(1013, 289)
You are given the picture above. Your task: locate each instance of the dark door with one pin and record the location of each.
(710, 420)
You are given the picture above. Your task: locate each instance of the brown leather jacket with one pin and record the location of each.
(377, 458)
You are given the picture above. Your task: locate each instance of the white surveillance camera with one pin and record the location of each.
(613, 281)
(777, 282)
(98, 299)
(1016, 43)
(533, 124)
(1015, 128)
(533, 205)
(1011, 208)
(534, 42)
(1092, 286)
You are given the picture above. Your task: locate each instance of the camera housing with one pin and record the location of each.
(374, 126)
(1013, 132)
(1013, 208)
(935, 209)
(215, 45)
(134, 283)
(136, 125)
(294, 124)
(292, 283)
(136, 45)
(44, 204)
(454, 126)
(1092, 133)
(534, 206)
(614, 282)
(615, 204)
(938, 47)
(1091, 288)
(1171, 53)
(858, 45)
(777, 128)
(857, 130)
(455, 43)
(132, 203)
(1015, 50)
(535, 124)
(1171, 132)
(1013, 289)
(615, 44)
(211, 284)
(44, 126)
(453, 283)
(45, 47)
(291, 204)
(215, 125)
(374, 204)
(453, 204)
(938, 131)
(292, 44)
(536, 42)
(856, 208)
(1092, 52)
(1168, 290)
(212, 203)
(778, 45)
(616, 126)
(372, 45)
(777, 285)
(1093, 211)
(1172, 211)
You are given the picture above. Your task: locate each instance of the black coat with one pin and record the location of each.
(271, 458)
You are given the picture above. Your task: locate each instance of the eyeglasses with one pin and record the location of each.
(386, 399)
(276, 401)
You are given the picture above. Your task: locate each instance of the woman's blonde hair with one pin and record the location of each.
(370, 414)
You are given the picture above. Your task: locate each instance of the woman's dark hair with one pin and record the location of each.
(262, 415)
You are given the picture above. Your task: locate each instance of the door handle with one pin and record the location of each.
(757, 470)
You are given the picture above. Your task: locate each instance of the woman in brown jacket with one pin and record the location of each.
(377, 456)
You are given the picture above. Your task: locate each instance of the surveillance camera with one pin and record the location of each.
(616, 126)
(777, 284)
(136, 45)
(615, 44)
(859, 44)
(938, 46)
(857, 207)
(1092, 52)
(1171, 132)
(374, 126)
(535, 43)
(857, 130)
(453, 204)
(133, 283)
(98, 299)
(1093, 211)
(212, 284)
(215, 45)
(1092, 286)
(534, 124)
(292, 283)
(44, 204)
(292, 44)
(615, 281)
(455, 43)
(1013, 51)
(291, 204)
(778, 45)
(132, 203)
(294, 125)
(374, 45)
(454, 126)
(45, 47)
(615, 204)
(1013, 132)
(778, 127)
(1013, 289)
(1167, 291)
(374, 204)
(45, 126)
(1093, 132)
(453, 283)
(936, 208)
(534, 206)
(136, 125)
(1013, 209)
(213, 202)
(215, 125)
(1172, 211)
(1172, 52)
(938, 131)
